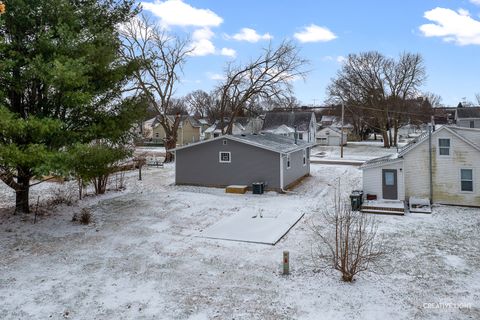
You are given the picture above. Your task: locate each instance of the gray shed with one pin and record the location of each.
(277, 161)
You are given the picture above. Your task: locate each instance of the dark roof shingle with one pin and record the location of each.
(274, 119)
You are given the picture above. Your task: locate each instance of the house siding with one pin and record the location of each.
(445, 172)
(297, 169)
(372, 180)
(199, 165)
(185, 134)
(466, 123)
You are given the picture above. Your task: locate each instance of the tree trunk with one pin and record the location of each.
(395, 134)
(386, 143)
(22, 195)
(170, 143)
(390, 137)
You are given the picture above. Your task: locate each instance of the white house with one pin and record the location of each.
(330, 136)
(468, 117)
(286, 123)
(452, 162)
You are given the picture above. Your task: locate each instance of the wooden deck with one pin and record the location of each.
(384, 207)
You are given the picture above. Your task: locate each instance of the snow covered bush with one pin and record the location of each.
(347, 241)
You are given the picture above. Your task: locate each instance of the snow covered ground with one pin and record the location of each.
(364, 150)
(142, 258)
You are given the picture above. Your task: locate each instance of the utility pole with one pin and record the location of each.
(341, 133)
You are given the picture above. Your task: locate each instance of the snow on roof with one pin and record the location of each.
(380, 161)
(268, 141)
(328, 118)
(283, 129)
(273, 142)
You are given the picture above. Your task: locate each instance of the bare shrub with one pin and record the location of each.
(346, 241)
(120, 180)
(63, 195)
(85, 216)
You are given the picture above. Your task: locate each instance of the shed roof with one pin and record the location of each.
(274, 119)
(268, 141)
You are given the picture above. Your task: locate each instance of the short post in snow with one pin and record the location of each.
(286, 263)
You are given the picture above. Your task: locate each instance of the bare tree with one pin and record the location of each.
(269, 75)
(161, 57)
(346, 241)
(379, 89)
(434, 99)
(201, 104)
(477, 96)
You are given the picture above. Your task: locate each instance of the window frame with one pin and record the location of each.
(449, 148)
(461, 180)
(224, 142)
(304, 157)
(288, 160)
(229, 157)
(472, 124)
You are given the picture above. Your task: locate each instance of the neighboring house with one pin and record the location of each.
(331, 136)
(241, 125)
(468, 117)
(327, 121)
(242, 160)
(455, 169)
(250, 125)
(189, 130)
(287, 122)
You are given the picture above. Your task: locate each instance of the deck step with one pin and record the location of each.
(384, 211)
(239, 189)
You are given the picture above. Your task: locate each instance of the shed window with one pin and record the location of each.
(304, 157)
(288, 161)
(224, 142)
(444, 147)
(300, 136)
(472, 124)
(157, 135)
(466, 179)
(224, 157)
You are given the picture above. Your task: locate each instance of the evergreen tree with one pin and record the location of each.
(61, 81)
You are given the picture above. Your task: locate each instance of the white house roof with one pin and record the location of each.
(283, 129)
(268, 141)
(468, 135)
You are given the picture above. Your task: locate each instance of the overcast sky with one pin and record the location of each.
(445, 32)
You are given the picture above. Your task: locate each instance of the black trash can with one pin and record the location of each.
(356, 199)
(258, 187)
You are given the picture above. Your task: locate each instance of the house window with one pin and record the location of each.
(300, 136)
(224, 142)
(288, 161)
(472, 124)
(444, 147)
(224, 157)
(466, 180)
